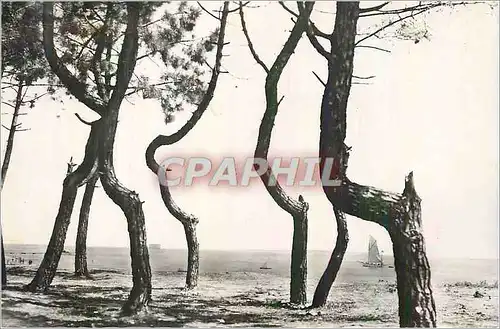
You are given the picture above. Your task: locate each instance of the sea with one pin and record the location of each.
(213, 261)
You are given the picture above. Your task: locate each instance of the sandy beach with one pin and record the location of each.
(234, 298)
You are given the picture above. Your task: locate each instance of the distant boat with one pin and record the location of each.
(180, 270)
(265, 267)
(374, 256)
(155, 246)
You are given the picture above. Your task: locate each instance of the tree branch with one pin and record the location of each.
(315, 30)
(374, 8)
(373, 47)
(319, 79)
(75, 87)
(394, 22)
(250, 45)
(162, 140)
(208, 12)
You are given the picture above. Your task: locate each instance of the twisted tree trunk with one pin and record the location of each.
(126, 199)
(73, 180)
(296, 208)
(333, 267)
(188, 221)
(399, 214)
(81, 269)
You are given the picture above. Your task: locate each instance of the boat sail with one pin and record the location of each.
(374, 256)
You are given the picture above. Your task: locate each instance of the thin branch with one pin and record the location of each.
(373, 47)
(238, 8)
(5, 103)
(420, 6)
(392, 23)
(281, 99)
(250, 45)
(319, 79)
(374, 8)
(34, 99)
(76, 87)
(208, 12)
(316, 31)
(88, 123)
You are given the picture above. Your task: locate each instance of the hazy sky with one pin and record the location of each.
(432, 108)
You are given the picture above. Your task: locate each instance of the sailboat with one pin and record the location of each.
(374, 256)
(265, 267)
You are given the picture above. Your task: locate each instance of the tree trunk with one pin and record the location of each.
(81, 269)
(298, 267)
(12, 132)
(398, 214)
(193, 264)
(416, 303)
(127, 200)
(4, 267)
(296, 208)
(188, 221)
(80, 176)
(333, 267)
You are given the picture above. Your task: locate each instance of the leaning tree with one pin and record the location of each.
(24, 73)
(296, 208)
(399, 214)
(201, 98)
(100, 44)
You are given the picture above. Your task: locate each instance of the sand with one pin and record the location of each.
(229, 299)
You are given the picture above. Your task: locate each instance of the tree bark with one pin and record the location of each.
(126, 199)
(333, 267)
(298, 266)
(80, 176)
(4, 266)
(12, 131)
(81, 269)
(398, 214)
(188, 221)
(296, 208)
(193, 264)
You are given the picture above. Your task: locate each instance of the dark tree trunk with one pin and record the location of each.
(12, 132)
(398, 214)
(193, 264)
(296, 208)
(333, 267)
(298, 267)
(188, 221)
(80, 176)
(81, 269)
(127, 200)
(4, 267)
(416, 303)
(131, 206)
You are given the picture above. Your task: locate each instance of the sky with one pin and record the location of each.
(432, 109)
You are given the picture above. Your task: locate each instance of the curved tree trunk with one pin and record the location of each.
(127, 200)
(188, 221)
(296, 208)
(333, 267)
(80, 176)
(398, 214)
(81, 269)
